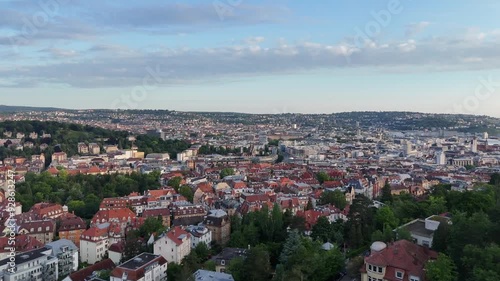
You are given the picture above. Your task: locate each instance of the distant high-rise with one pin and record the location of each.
(485, 135)
(440, 158)
(474, 145)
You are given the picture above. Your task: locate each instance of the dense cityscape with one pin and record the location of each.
(227, 196)
(232, 140)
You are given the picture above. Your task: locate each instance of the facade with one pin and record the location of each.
(401, 260)
(67, 255)
(94, 244)
(71, 228)
(199, 234)
(218, 223)
(173, 245)
(36, 265)
(43, 230)
(144, 267)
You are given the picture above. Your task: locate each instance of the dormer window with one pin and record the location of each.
(399, 274)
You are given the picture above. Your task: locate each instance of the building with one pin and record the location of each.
(67, 254)
(58, 157)
(36, 265)
(83, 148)
(205, 275)
(199, 234)
(422, 231)
(218, 223)
(401, 260)
(23, 243)
(144, 267)
(115, 252)
(47, 210)
(223, 259)
(71, 228)
(94, 149)
(91, 272)
(173, 245)
(94, 244)
(42, 230)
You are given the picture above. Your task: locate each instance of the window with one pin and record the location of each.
(414, 278)
(399, 274)
(380, 269)
(370, 267)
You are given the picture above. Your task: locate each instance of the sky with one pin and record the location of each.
(252, 56)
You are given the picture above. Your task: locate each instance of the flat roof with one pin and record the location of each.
(139, 261)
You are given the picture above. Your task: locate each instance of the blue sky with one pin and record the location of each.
(252, 56)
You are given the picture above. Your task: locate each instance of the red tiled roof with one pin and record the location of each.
(403, 256)
(175, 233)
(82, 275)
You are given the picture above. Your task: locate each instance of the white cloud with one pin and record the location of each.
(413, 29)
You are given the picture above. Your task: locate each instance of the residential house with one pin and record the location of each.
(42, 230)
(94, 149)
(23, 243)
(401, 260)
(35, 265)
(217, 221)
(58, 157)
(184, 213)
(47, 210)
(116, 251)
(90, 272)
(173, 245)
(67, 254)
(94, 244)
(144, 267)
(122, 217)
(223, 259)
(422, 231)
(199, 234)
(71, 228)
(83, 148)
(163, 213)
(204, 275)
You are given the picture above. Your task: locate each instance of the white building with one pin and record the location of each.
(199, 234)
(94, 244)
(173, 245)
(67, 254)
(205, 275)
(422, 231)
(144, 267)
(36, 265)
(440, 158)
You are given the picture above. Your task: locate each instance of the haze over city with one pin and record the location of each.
(253, 56)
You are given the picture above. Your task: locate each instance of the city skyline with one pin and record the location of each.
(252, 56)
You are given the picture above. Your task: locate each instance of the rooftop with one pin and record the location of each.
(139, 261)
(204, 275)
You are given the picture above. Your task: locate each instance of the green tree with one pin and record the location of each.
(187, 192)
(386, 193)
(441, 237)
(479, 262)
(442, 269)
(175, 183)
(385, 217)
(322, 230)
(226, 172)
(150, 226)
(322, 177)
(336, 198)
(237, 269)
(403, 233)
(257, 265)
